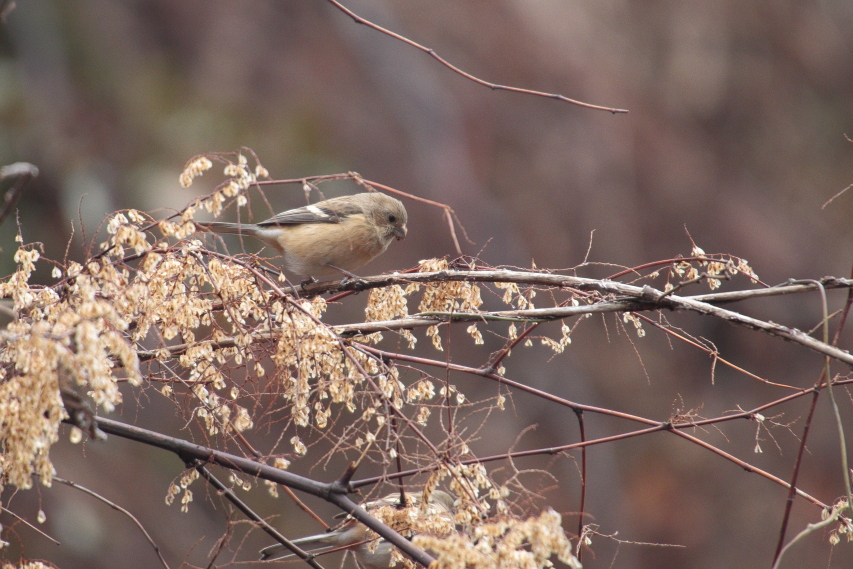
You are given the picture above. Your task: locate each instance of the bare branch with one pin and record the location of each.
(359, 20)
(189, 452)
(627, 298)
(118, 508)
(28, 524)
(250, 513)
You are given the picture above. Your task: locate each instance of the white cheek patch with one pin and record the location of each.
(317, 211)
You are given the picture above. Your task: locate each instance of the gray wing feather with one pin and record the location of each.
(311, 214)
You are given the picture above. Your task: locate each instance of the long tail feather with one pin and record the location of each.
(225, 227)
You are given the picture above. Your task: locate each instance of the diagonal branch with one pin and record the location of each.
(252, 515)
(624, 298)
(654, 426)
(359, 20)
(118, 508)
(190, 452)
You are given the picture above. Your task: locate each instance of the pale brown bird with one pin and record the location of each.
(330, 237)
(355, 536)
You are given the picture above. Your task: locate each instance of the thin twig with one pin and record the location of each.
(830, 200)
(252, 515)
(28, 524)
(304, 507)
(713, 353)
(359, 20)
(189, 452)
(579, 415)
(115, 506)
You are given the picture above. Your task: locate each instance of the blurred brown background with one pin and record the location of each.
(738, 112)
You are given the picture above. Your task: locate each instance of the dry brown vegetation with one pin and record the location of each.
(615, 413)
(238, 349)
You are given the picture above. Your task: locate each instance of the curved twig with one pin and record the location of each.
(359, 20)
(115, 506)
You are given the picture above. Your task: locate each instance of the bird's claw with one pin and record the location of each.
(353, 283)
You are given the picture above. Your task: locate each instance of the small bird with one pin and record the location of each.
(354, 536)
(330, 237)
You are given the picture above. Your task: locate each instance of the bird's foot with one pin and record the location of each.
(353, 282)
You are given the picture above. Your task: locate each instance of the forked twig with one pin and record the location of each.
(190, 452)
(252, 515)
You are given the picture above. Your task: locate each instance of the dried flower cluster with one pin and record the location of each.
(84, 333)
(839, 511)
(218, 332)
(74, 332)
(460, 541)
(446, 297)
(503, 544)
(714, 268)
(388, 303)
(29, 565)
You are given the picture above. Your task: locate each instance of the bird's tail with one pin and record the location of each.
(314, 544)
(225, 227)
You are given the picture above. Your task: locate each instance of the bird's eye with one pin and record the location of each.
(392, 218)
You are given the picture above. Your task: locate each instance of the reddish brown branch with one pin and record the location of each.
(359, 20)
(656, 426)
(789, 502)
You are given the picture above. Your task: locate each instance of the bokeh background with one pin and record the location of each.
(736, 132)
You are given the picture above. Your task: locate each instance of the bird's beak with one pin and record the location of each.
(400, 232)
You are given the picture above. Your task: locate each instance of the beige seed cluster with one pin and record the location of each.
(716, 268)
(388, 303)
(443, 297)
(76, 330)
(504, 544)
(159, 309)
(28, 565)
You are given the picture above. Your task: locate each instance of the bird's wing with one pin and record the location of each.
(319, 213)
